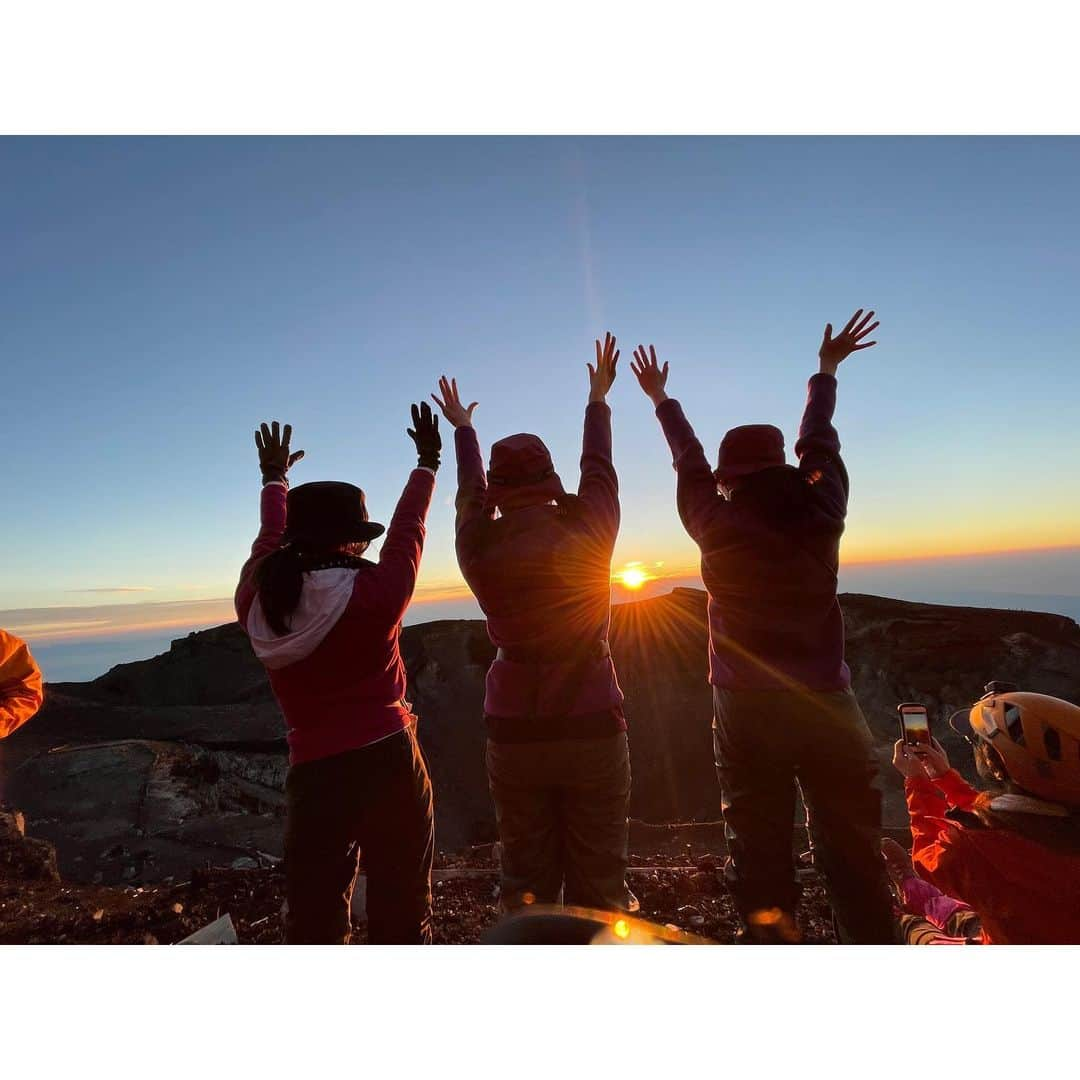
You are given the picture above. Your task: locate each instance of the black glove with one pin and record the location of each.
(274, 457)
(425, 433)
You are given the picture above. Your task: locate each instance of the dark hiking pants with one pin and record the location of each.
(764, 741)
(561, 810)
(375, 802)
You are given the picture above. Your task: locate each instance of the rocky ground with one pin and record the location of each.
(179, 761)
(677, 882)
(157, 789)
(51, 912)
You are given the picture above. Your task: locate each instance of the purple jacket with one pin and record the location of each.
(543, 579)
(769, 557)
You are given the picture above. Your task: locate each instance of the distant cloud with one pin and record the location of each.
(115, 589)
(51, 624)
(59, 628)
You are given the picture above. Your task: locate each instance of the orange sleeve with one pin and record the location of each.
(959, 794)
(926, 809)
(939, 847)
(20, 684)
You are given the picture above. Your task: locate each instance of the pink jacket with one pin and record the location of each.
(338, 674)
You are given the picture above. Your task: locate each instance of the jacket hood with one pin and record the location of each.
(323, 598)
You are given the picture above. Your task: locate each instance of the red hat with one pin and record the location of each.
(521, 473)
(749, 449)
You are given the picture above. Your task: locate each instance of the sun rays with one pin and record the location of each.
(633, 576)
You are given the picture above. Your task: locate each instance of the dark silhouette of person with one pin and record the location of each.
(769, 535)
(557, 756)
(325, 623)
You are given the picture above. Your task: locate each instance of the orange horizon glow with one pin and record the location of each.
(849, 558)
(59, 623)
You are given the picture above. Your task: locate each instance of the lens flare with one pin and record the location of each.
(633, 575)
(621, 929)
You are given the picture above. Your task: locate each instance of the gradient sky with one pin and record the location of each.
(160, 297)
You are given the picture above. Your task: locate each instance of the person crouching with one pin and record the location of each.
(1012, 852)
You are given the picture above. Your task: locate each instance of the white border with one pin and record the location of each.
(481, 66)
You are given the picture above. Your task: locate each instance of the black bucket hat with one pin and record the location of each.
(328, 512)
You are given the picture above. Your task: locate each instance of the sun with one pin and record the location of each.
(633, 575)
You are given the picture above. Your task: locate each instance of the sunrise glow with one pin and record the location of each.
(633, 575)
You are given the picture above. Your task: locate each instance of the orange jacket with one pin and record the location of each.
(20, 684)
(1025, 893)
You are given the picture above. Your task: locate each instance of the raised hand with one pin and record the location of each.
(836, 349)
(934, 759)
(450, 404)
(275, 457)
(425, 433)
(603, 375)
(907, 763)
(650, 376)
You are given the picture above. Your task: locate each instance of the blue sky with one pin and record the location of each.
(159, 297)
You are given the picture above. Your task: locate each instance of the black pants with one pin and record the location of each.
(375, 801)
(561, 810)
(764, 741)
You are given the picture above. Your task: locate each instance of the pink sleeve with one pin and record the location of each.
(700, 505)
(599, 486)
(472, 483)
(271, 530)
(387, 588)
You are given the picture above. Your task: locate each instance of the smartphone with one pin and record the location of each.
(914, 724)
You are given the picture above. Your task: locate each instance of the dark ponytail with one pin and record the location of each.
(279, 579)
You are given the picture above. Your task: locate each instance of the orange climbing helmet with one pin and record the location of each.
(1037, 738)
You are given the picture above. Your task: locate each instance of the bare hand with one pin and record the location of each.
(603, 375)
(275, 458)
(934, 760)
(450, 404)
(906, 762)
(650, 376)
(836, 349)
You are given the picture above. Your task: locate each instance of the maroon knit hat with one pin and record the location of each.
(749, 449)
(521, 473)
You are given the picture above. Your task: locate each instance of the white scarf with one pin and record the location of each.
(323, 598)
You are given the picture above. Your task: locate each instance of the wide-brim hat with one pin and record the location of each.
(520, 472)
(749, 449)
(328, 512)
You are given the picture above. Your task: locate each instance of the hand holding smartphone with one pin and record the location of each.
(914, 725)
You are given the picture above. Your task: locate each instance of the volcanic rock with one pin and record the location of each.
(181, 760)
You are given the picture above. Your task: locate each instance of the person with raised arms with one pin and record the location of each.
(769, 535)
(325, 622)
(538, 560)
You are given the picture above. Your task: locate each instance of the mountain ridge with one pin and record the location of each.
(181, 758)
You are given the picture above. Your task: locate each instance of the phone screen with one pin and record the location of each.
(916, 726)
